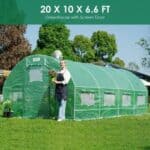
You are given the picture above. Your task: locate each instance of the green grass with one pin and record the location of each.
(124, 133)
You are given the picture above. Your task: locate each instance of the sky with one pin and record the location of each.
(126, 38)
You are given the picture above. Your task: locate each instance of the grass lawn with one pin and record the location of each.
(124, 133)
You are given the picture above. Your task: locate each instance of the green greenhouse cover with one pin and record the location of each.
(94, 91)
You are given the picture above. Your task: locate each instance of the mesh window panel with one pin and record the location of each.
(140, 100)
(35, 75)
(36, 59)
(126, 100)
(109, 100)
(87, 99)
(17, 96)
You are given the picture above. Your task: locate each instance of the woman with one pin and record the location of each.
(62, 79)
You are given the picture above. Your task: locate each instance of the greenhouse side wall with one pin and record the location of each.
(87, 103)
(104, 103)
(102, 92)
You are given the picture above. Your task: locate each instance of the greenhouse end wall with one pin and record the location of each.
(28, 87)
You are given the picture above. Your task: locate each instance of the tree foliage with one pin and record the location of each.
(54, 37)
(104, 45)
(145, 44)
(82, 47)
(133, 66)
(13, 45)
(118, 62)
(100, 47)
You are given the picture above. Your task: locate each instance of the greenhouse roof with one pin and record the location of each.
(89, 75)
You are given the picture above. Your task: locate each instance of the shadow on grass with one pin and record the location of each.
(145, 148)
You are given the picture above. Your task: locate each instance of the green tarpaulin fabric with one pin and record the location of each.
(93, 92)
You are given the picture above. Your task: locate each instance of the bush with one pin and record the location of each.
(7, 108)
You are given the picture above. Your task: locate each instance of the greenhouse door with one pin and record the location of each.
(36, 93)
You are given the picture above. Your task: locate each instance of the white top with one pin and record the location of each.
(66, 75)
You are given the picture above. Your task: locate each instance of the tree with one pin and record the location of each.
(53, 37)
(133, 66)
(144, 43)
(13, 45)
(82, 47)
(118, 62)
(104, 45)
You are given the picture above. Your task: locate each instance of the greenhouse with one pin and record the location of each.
(94, 91)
